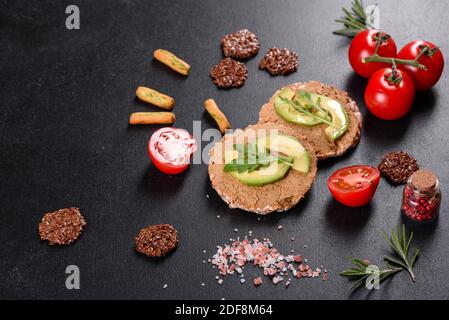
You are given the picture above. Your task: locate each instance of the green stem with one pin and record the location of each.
(423, 51)
(412, 274)
(377, 58)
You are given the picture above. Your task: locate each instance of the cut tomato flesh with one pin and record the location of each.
(170, 149)
(354, 186)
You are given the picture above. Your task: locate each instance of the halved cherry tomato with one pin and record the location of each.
(387, 99)
(364, 45)
(354, 186)
(432, 59)
(170, 149)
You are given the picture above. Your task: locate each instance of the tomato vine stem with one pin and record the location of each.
(377, 58)
(381, 38)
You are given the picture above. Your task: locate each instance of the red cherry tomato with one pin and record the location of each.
(388, 100)
(170, 149)
(364, 45)
(354, 186)
(432, 59)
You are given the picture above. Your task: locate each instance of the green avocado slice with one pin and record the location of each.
(266, 175)
(297, 158)
(339, 121)
(290, 146)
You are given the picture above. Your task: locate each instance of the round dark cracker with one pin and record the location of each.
(279, 61)
(156, 240)
(242, 44)
(398, 166)
(62, 227)
(279, 196)
(229, 73)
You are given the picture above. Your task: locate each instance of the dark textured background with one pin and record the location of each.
(65, 100)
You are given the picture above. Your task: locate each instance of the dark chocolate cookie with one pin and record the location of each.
(242, 44)
(279, 61)
(61, 227)
(156, 240)
(229, 73)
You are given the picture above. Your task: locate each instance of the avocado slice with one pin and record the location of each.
(287, 145)
(265, 175)
(338, 117)
(296, 157)
(289, 113)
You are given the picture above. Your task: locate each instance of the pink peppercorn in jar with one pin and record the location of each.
(422, 196)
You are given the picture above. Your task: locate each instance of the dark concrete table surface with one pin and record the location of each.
(66, 96)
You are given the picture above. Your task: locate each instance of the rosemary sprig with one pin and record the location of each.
(400, 243)
(303, 109)
(360, 272)
(354, 20)
(250, 159)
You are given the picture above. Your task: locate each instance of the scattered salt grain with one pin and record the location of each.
(258, 281)
(231, 259)
(280, 227)
(165, 286)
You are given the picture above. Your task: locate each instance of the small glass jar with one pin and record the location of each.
(422, 196)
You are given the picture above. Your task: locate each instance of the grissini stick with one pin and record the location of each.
(152, 118)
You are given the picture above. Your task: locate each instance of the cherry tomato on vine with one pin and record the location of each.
(430, 56)
(364, 45)
(170, 149)
(354, 186)
(389, 95)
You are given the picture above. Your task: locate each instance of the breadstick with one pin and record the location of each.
(154, 97)
(152, 118)
(218, 116)
(172, 61)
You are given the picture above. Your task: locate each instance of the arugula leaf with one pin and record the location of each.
(250, 159)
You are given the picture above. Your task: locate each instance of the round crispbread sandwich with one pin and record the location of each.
(262, 189)
(331, 136)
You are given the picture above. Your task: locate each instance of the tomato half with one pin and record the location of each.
(170, 149)
(364, 45)
(432, 59)
(387, 100)
(354, 186)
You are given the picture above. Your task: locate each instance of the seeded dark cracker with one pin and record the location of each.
(156, 240)
(398, 166)
(229, 73)
(62, 227)
(279, 61)
(242, 44)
